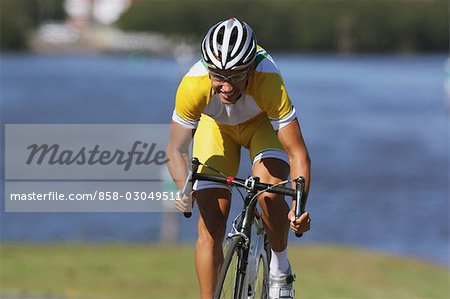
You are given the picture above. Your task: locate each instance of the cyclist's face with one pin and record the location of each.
(229, 85)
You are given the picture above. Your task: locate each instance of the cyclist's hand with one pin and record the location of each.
(184, 203)
(300, 225)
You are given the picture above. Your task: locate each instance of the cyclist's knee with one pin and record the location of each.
(211, 231)
(211, 236)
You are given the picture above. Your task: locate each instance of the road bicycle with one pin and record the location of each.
(245, 270)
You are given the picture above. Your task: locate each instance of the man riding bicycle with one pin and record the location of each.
(235, 96)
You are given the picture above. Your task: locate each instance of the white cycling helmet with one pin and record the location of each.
(229, 45)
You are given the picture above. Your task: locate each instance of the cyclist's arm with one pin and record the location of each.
(291, 138)
(178, 152)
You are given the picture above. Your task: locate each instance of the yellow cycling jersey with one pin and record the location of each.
(265, 93)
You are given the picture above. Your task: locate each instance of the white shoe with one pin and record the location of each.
(280, 287)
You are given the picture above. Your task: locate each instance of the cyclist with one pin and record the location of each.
(234, 96)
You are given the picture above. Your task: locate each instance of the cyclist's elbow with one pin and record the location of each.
(174, 148)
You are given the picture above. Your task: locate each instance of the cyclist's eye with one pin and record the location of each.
(217, 77)
(239, 77)
(236, 78)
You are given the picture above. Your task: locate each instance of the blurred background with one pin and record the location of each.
(370, 80)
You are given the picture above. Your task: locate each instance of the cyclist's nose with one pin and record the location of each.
(227, 87)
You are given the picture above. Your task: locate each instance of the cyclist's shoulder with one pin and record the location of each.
(196, 80)
(193, 92)
(264, 62)
(197, 70)
(267, 80)
(267, 86)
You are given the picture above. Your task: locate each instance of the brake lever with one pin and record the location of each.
(185, 191)
(299, 199)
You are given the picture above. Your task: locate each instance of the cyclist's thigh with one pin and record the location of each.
(265, 147)
(214, 147)
(270, 170)
(214, 207)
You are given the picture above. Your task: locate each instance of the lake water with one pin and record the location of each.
(376, 128)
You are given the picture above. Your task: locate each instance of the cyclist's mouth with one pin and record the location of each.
(229, 97)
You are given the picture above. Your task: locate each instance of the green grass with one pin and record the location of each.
(153, 271)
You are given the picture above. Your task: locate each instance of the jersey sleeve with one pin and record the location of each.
(190, 101)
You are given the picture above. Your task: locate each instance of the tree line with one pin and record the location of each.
(306, 25)
(19, 17)
(349, 26)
